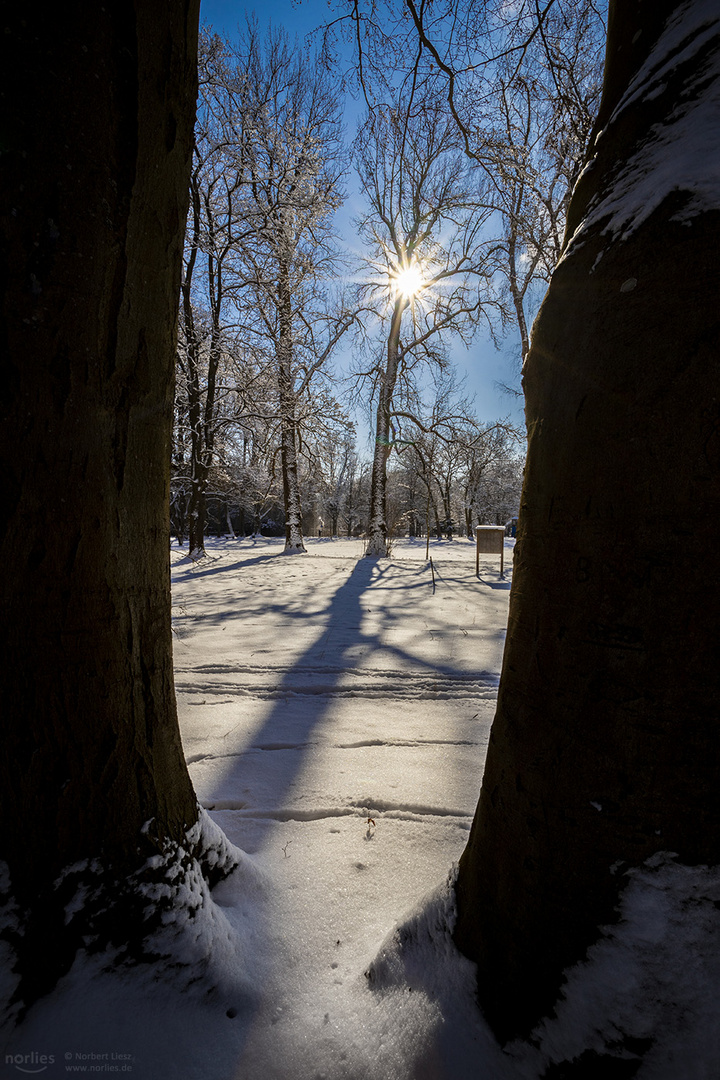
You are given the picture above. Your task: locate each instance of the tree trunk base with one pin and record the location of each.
(377, 547)
(140, 917)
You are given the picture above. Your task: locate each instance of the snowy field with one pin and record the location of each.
(320, 690)
(335, 712)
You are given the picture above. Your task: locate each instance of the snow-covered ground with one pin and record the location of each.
(335, 712)
(316, 691)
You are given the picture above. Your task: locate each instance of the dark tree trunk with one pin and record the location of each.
(197, 511)
(201, 403)
(604, 747)
(197, 504)
(92, 766)
(294, 543)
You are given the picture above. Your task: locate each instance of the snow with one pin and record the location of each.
(678, 154)
(650, 985)
(335, 712)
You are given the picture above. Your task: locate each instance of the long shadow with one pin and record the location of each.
(187, 568)
(304, 697)
(502, 586)
(341, 636)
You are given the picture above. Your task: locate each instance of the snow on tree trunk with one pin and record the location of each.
(200, 404)
(515, 291)
(469, 521)
(197, 511)
(93, 782)
(288, 422)
(294, 543)
(376, 546)
(604, 747)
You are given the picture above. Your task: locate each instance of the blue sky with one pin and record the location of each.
(482, 364)
(299, 16)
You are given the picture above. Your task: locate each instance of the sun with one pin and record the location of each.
(408, 281)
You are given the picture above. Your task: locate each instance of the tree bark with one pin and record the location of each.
(516, 292)
(197, 506)
(377, 528)
(92, 766)
(604, 746)
(294, 543)
(201, 405)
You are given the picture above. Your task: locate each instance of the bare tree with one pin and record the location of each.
(357, 495)
(430, 269)
(470, 471)
(295, 164)
(210, 284)
(491, 475)
(531, 116)
(521, 84)
(243, 471)
(265, 184)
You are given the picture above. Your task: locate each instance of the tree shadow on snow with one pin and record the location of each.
(304, 697)
(260, 778)
(188, 568)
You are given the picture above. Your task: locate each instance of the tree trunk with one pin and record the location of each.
(518, 295)
(92, 765)
(469, 515)
(377, 528)
(604, 746)
(446, 495)
(200, 406)
(197, 508)
(294, 543)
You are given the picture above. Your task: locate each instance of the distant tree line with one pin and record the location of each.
(442, 485)
(260, 313)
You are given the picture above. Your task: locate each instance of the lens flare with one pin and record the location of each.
(408, 281)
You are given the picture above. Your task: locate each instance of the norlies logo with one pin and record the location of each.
(33, 1062)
